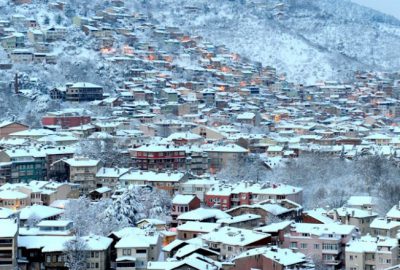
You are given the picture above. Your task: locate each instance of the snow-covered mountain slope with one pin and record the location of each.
(307, 39)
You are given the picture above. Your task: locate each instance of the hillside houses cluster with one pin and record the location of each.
(218, 94)
(253, 234)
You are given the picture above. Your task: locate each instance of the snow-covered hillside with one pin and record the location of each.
(309, 40)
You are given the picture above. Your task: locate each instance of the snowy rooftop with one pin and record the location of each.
(82, 162)
(229, 148)
(196, 226)
(274, 189)
(355, 212)
(158, 148)
(384, 224)
(32, 133)
(137, 241)
(234, 236)
(319, 214)
(6, 213)
(394, 212)
(368, 243)
(360, 200)
(237, 219)
(9, 227)
(111, 172)
(39, 211)
(183, 199)
(323, 229)
(283, 256)
(274, 227)
(12, 195)
(85, 85)
(202, 214)
(152, 176)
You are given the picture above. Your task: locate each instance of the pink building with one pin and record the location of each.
(267, 258)
(325, 243)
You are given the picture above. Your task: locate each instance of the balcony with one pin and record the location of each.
(332, 262)
(331, 251)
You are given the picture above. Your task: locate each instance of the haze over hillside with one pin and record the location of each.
(309, 40)
(391, 7)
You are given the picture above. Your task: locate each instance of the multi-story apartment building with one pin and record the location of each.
(323, 243)
(96, 247)
(109, 177)
(230, 241)
(182, 204)
(84, 91)
(14, 200)
(354, 216)
(8, 244)
(136, 249)
(159, 157)
(372, 253)
(167, 181)
(222, 155)
(26, 164)
(53, 155)
(267, 258)
(228, 196)
(66, 119)
(197, 187)
(83, 171)
(384, 227)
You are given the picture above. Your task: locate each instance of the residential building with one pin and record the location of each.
(372, 253)
(182, 204)
(266, 258)
(8, 244)
(324, 243)
(83, 91)
(230, 242)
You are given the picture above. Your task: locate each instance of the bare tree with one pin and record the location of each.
(75, 254)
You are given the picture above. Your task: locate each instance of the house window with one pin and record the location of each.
(141, 251)
(316, 246)
(293, 244)
(229, 248)
(126, 251)
(328, 246)
(303, 245)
